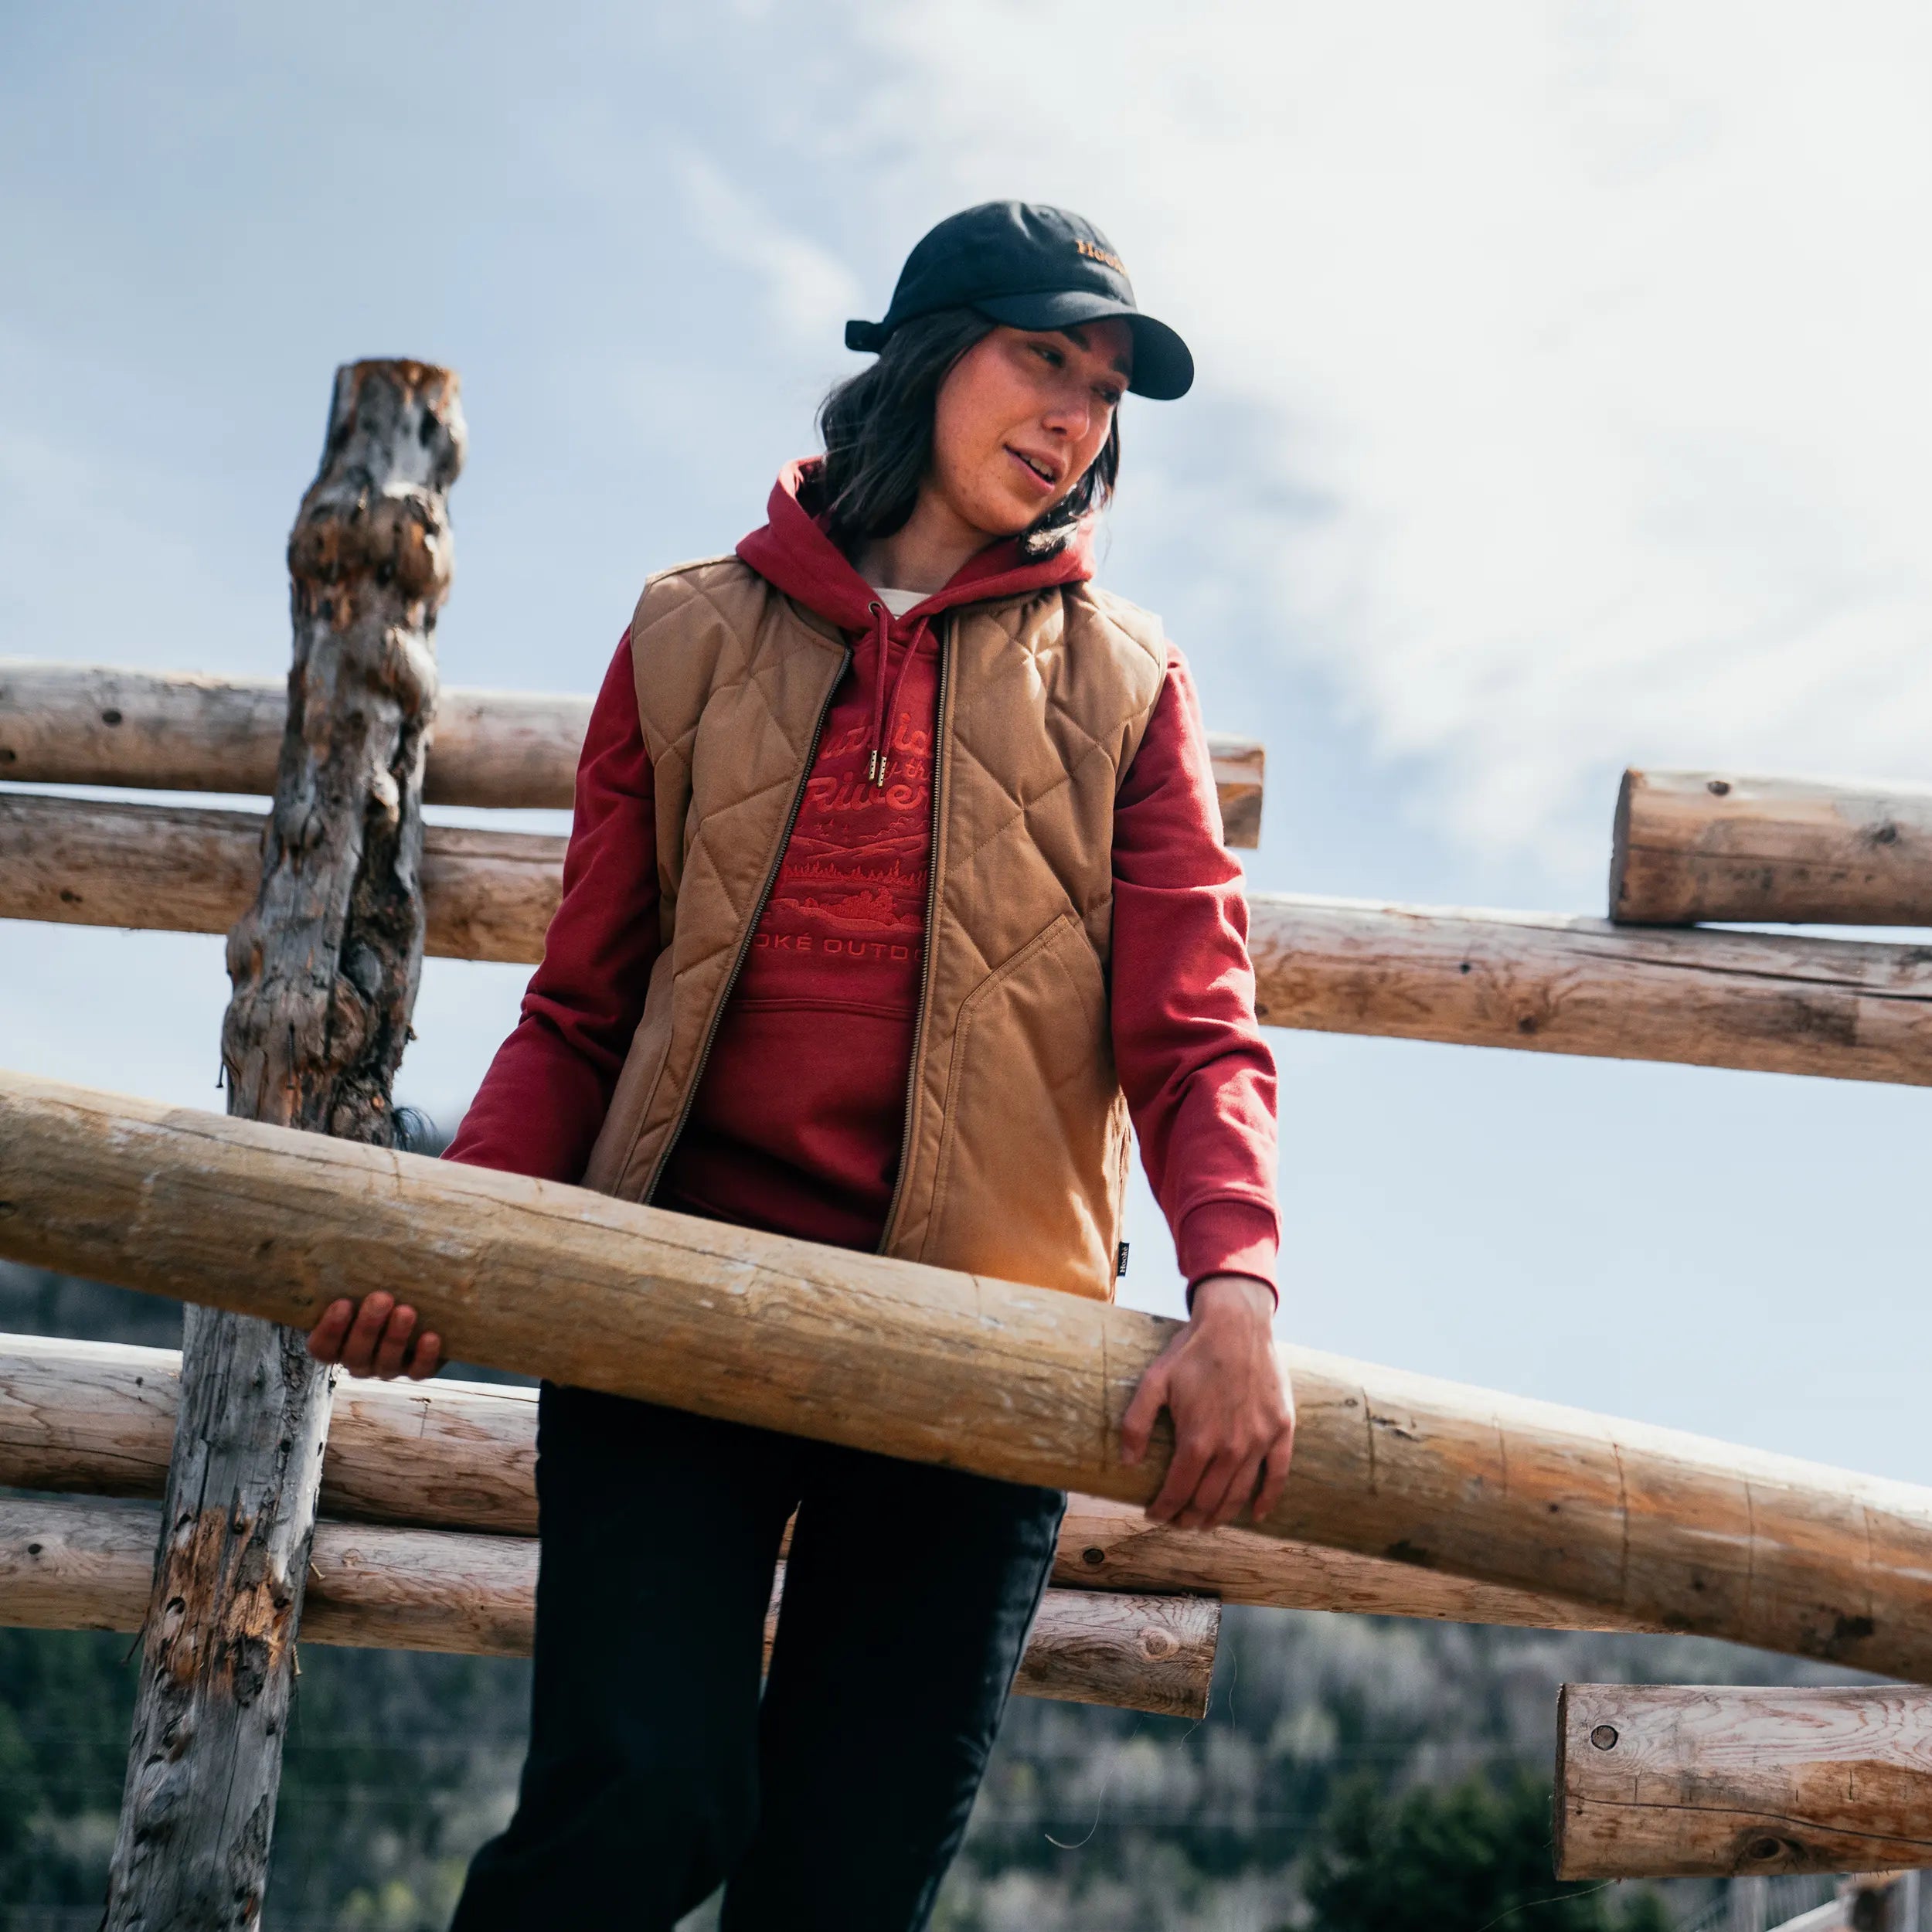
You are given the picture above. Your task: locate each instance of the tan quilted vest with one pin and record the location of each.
(1015, 1159)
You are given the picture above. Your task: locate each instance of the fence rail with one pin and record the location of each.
(68, 724)
(71, 1564)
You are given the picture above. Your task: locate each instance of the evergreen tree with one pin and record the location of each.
(1465, 1857)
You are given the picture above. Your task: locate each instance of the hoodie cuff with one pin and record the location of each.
(1228, 1237)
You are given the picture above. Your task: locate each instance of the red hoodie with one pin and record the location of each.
(799, 1115)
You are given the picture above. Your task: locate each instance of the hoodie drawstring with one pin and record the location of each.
(876, 761)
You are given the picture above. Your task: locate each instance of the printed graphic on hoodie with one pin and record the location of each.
(845, 922)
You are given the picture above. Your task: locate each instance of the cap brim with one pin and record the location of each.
(1163, 369)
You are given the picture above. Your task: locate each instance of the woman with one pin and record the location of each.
(895, 886)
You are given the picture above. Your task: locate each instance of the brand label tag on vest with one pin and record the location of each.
(1119, 1263)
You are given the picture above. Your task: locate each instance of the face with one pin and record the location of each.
(1020, 418)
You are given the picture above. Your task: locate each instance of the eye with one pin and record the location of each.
(1109, 395)
(1049, 355)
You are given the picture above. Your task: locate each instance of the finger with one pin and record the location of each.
(1275, 1472)
(1142, 1413)
(1209, 1490)
(1239, 1493)
(325, 1338)
(394, 1345)
(1183, 1478)
(358, 1350)
(427, 1359)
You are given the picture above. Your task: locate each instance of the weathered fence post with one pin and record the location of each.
(324, 968)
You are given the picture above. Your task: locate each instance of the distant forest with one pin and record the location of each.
(1353, 1773)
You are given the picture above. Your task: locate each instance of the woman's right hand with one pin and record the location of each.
(377, 1338)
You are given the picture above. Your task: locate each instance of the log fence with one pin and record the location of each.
(1411, 1497)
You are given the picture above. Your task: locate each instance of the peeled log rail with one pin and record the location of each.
(188, 869)
(1690, 845)
(1850, 1009)
(97, 1417)
(1019, 1383)
(90, 724)
(1114, 1546)
(1763, 1002)
(1664, 1779)
(88, 1566)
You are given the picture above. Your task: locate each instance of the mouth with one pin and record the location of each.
(1042, 471)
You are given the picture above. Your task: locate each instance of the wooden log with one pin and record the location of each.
(1115, 1545)
(324, 962)
(1660, 1781)
(1764, 1003)
(1846, 1008)
(91, 724)
(1690, 845)
(916, 1361)
(1239, 765)
(86, 1565)
(97, 1417)
(488, 895)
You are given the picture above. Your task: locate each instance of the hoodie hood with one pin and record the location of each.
(793, 553)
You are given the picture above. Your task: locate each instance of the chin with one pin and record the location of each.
(1009, 519)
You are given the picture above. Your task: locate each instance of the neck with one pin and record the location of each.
(926, 554)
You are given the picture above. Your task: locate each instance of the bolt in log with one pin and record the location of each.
(324, 967)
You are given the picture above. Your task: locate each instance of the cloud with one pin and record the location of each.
(808, 292)
(1599, 334)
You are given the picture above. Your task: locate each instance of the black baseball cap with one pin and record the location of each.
(1030, 267)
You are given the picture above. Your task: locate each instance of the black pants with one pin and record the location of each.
(655, 1770)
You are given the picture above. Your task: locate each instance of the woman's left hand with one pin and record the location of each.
(1224, 1384)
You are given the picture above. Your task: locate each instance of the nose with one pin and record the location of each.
(1070, 413)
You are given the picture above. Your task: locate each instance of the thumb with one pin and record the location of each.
(1138, 1424)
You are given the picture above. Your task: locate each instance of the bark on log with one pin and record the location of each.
(1850, 1009)
(1690, 845)
(324, 964)
(1664, 1779)
(92, 724)
(97, 1417)
(1847, 1008)
(86, 1565)
(916, 1361)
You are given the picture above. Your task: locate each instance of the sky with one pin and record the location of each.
(1562, 405)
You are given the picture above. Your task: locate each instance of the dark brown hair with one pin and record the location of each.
(878, 431)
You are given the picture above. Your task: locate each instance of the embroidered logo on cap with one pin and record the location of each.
(1101, 255)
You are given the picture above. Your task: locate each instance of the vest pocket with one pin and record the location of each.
(1029, 1178)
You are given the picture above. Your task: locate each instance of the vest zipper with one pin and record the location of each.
(750, 931)
(932, 900)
